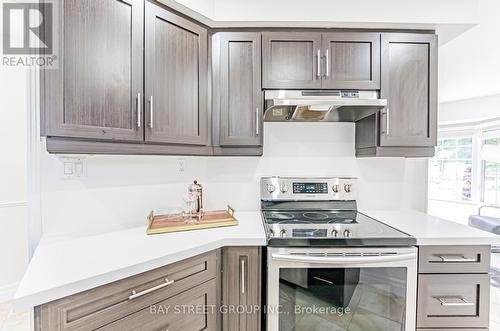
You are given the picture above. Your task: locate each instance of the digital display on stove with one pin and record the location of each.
(310, 188)
(309, 233)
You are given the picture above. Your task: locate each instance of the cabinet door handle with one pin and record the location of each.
(151, 117)
(327, 73)
(318, 63)
(463, 303)
(387, 122)
(139, 109)
(454, 258)
(149, 290)
(257, 121)
(242, 276)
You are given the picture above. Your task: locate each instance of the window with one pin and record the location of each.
(490, 156)
(450, 171)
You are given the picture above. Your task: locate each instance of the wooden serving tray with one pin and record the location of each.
(210, 219)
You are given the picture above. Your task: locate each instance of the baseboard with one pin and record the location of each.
(7, 292)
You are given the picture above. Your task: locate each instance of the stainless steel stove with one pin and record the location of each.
(323, 253)
(321, 212)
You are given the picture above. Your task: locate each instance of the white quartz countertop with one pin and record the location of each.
(431, 230)
(65, 267)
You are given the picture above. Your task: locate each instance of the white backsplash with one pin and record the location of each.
(119, 191)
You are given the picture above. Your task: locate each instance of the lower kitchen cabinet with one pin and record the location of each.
(241, 288)
(453, 288)
(183, 296)
(131, 303)
(188, 311)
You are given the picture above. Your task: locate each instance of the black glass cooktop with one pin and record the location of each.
(310, 217)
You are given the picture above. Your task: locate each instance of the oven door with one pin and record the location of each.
(342, 289)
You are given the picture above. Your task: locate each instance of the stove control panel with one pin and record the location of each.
(303, 189)
(299, 188)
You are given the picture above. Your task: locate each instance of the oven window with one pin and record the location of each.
(318, 299)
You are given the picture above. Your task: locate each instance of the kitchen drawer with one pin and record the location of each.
(454, 259)
(453, 301)
(195, 309)
(102, 305)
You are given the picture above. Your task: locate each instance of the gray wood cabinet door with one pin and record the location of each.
(96, 92)
(409, 83)
(352, 60)
(240, 89)
(241, 286)
(176, 81)
(291, 60)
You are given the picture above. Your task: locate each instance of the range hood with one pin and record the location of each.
(320, 106)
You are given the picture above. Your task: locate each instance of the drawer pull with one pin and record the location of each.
(149, 290)
(454, 258)
(445, 303)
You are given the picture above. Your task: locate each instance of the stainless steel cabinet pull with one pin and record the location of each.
(454, 258)
(318, 63)
(139, 110)
(242, 276)
(387, 121)
(327, 73)
(149, 290)
(257, 121)
(151, 117)
(463, 303)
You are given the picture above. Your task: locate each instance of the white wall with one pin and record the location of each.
(391, 11)
(449, 18)
(119, 191)
(469, 110)
(13, 174)
(469, 65)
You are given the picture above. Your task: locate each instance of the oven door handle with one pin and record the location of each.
(343, 259)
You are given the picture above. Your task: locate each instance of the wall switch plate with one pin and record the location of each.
(74, 167)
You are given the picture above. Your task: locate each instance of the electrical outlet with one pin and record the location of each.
(181, 165)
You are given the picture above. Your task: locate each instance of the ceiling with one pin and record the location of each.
(468, 30)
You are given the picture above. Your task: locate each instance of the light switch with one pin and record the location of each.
(79, 168)
(68, 168)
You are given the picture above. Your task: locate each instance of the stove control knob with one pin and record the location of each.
(283, 188)
(347, 233)
(348, 188)
(270, 188)
(271, 233)
(335, 188)
(335, 233)
(283, 233)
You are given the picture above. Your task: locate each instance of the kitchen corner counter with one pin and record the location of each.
(431, 230)
(65, 267)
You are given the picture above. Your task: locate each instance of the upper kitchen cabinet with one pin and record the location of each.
(96, 92)
(237, 89)
(176, 69)
(352, 60)
(409, 82)
(291, 60)
(408, 125)
(315, 60)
